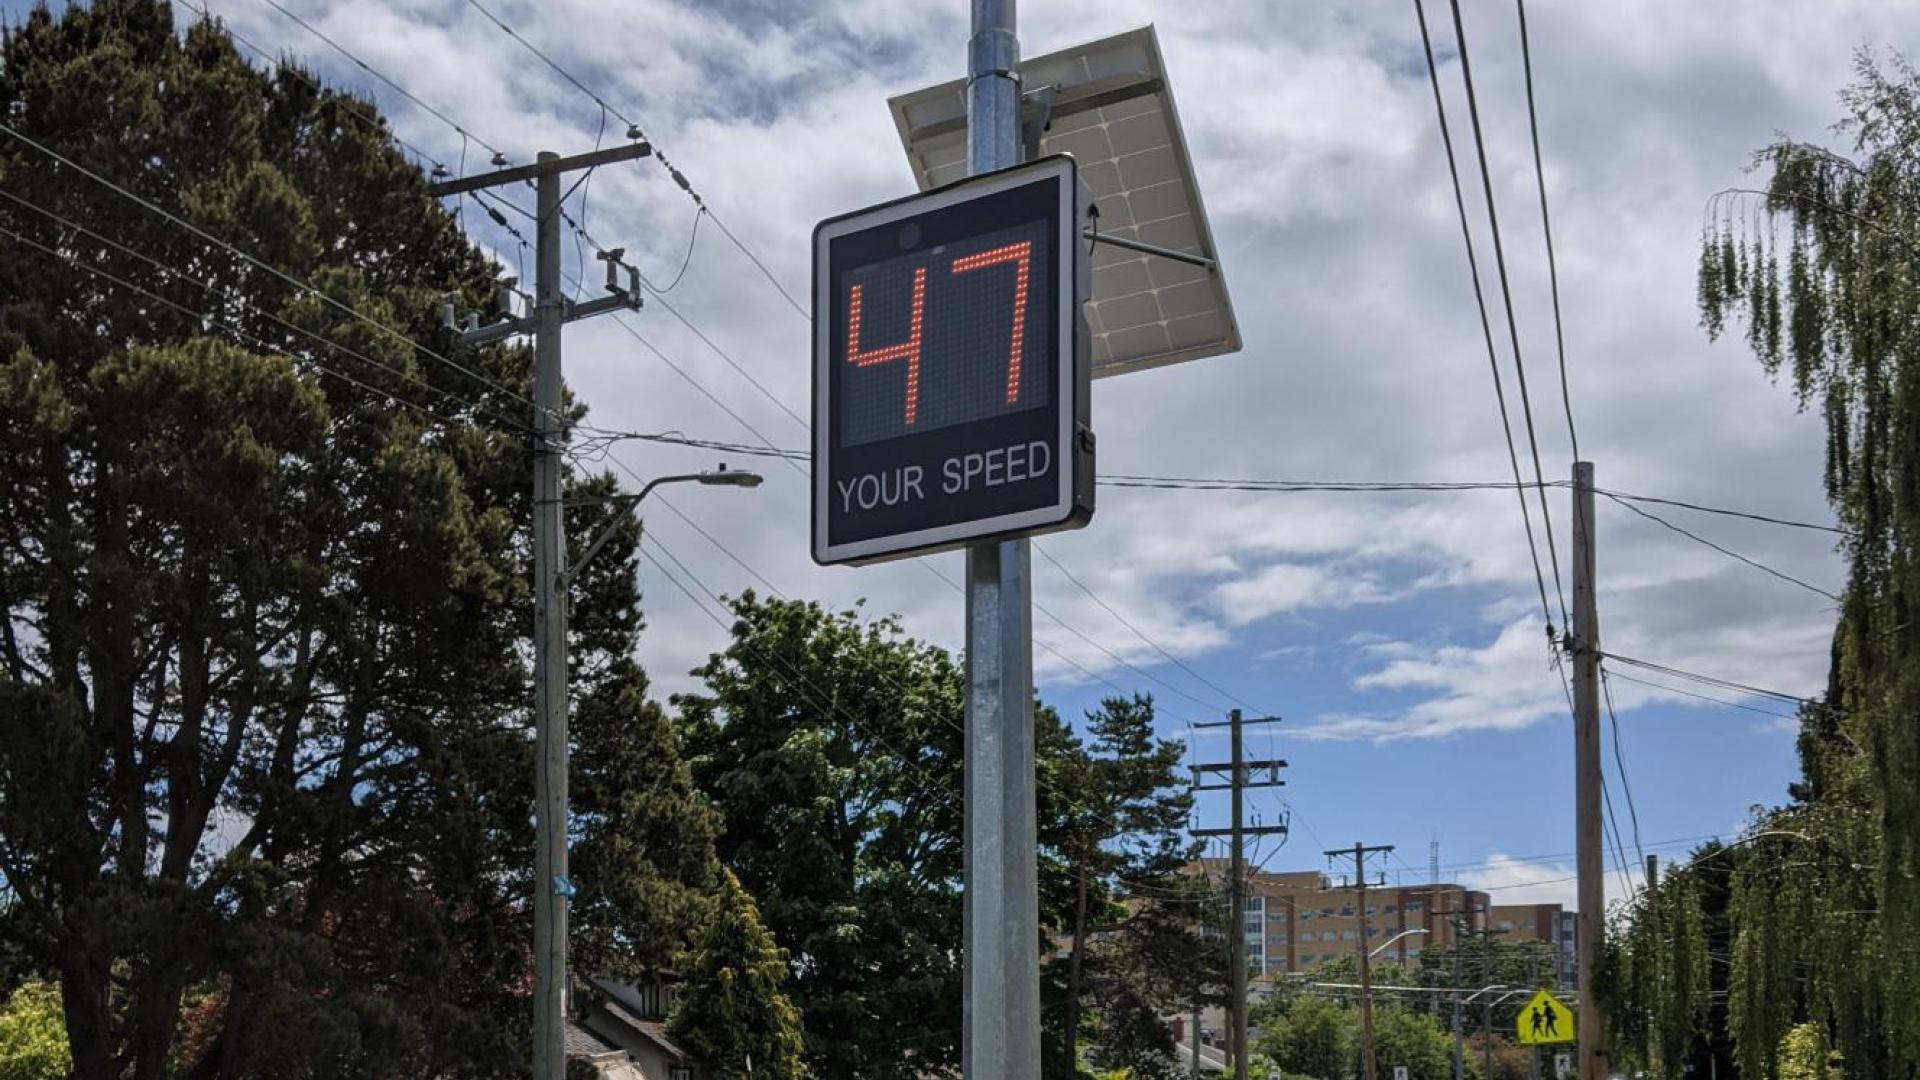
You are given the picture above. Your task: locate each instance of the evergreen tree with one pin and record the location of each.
(1125, 845)
(263, 736)
(734, 1016)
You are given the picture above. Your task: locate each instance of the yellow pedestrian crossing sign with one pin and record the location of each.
(1544, 1020)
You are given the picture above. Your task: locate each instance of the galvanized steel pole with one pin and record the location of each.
(1002, 916)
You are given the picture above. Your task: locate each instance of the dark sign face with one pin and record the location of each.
(946, 383)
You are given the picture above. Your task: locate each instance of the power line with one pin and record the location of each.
(209, 320)
(1480, 301)
(1124, 621)
(372, 124)
(305, 287)
(634, 132)
(1696, 538)
(1277, 487)
(1546, 225)
(1703, 697)
(226, 295)
(1620, 764)
(396, 87)
(1711, 680)
(1506, 294)
(1749, 515)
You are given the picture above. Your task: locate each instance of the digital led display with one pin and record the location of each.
(949, 370)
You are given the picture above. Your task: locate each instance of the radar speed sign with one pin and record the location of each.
(951, 368)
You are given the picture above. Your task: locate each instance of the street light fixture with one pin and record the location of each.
(715, 477)
(1387, 943)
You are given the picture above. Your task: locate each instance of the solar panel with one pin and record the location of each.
(1113, 111)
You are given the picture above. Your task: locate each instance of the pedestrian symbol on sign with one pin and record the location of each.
(1399, 1072)
(1544, 1020)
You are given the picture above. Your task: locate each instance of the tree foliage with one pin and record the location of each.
(733, 1015)
(1819, 265)
(33, 1041)
(1313, 1037)
(1655, 979)
(832, 747)
(1125, 845)
(832, 744)
(263, 736)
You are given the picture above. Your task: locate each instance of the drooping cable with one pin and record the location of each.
(1546, 226)
(304, 287)
(1506, 294)
(1696, 538)
(1480, 301)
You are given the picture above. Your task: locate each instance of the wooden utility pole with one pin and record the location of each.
(1584, 646)
(1370, 1067)
(1239, 772)
(551, 889)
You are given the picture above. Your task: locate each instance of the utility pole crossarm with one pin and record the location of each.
(1243, 779)
(545, 167)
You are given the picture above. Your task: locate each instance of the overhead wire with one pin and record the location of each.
(228, 296)
(391, 84)
(1506, 294)
(1715, 681)
(634, 131)
(1703, 697)
(305, 287)
(1480, 301)
(1546, 225)
(1728, 552)
(1620, 764)
(209, 320)
(1137, 632)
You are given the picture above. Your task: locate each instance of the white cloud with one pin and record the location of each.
(1313, 138)
(1509, 881)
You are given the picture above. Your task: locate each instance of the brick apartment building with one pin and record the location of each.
(1299, 919)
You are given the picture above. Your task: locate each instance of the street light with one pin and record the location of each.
(1385, 944)
(716, 477)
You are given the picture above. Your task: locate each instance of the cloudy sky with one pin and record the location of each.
(1398, 634)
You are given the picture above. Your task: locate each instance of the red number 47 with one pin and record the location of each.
(1020, 254)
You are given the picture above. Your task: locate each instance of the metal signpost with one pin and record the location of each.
(955, 337)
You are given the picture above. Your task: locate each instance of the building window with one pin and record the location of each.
(1415, 906)
(1391, 908)
(1347, 935)
(1346, 911)
(1327, 912)
(679, 1072)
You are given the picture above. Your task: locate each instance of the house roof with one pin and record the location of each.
(580, 1042)
(652, 1030)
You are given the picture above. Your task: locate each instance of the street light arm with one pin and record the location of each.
(628, 502)
(1389, 942)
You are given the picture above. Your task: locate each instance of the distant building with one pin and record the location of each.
(1300, 919)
